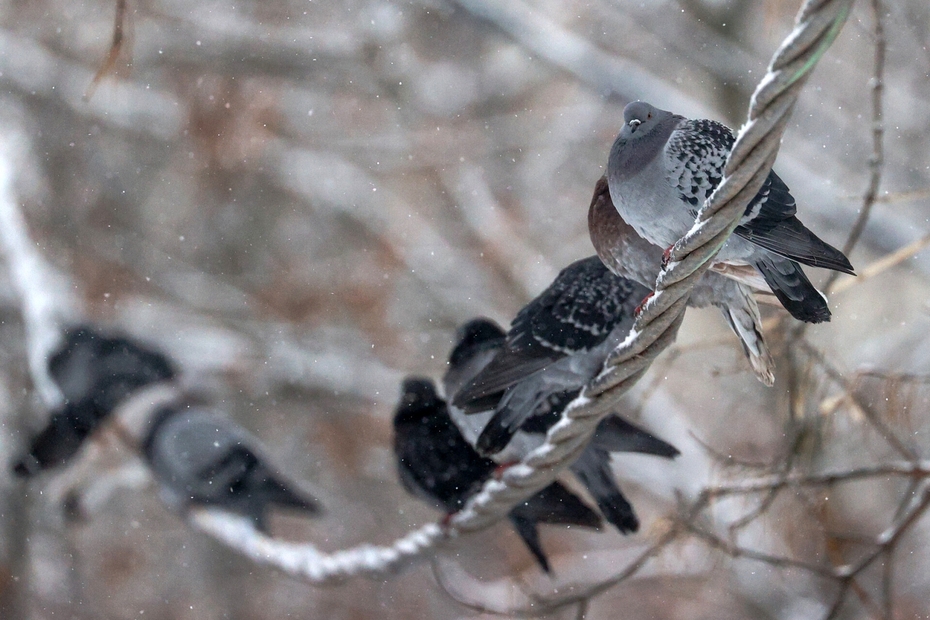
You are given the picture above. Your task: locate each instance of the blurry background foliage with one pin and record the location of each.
(300, 200)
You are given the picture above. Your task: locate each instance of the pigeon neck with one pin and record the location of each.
(630, 156)
(602, 223)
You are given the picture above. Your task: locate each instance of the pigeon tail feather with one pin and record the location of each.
(793, 289)
(593, 469)
(746, 323)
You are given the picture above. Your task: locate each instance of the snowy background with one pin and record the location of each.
(300, 200)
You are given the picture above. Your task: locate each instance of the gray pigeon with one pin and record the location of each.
(202, 458)
(478, 342)
(663, 166)
(627, 254)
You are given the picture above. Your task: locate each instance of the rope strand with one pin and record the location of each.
(753, 154)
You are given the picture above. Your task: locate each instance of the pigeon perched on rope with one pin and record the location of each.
(555, 345)
(201, 458)
(627, 254)
(661, 169)
(95, 372)
(478, 341)
(436, 464)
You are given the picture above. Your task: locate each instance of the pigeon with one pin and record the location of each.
(94, 373)
(202, 458)
(437, 465)
(661, 169)
(627, 254)
(478, 341)
(556, 344)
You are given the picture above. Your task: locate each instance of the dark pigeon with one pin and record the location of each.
(478, 341)
(556, 344)
(95, 372)
(437, 464)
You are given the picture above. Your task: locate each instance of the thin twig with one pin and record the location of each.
(582, 612)
(116, 46)
(874, 418)
(883, 264)
(917, 470)
(736, 551)
(917, 505)
(888, 584)
(877, 158)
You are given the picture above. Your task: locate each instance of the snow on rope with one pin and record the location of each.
(818, 24)
(750, 161)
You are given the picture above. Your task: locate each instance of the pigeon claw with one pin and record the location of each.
(642, 304)
(446, 520)
(667, 256)
(500, 469)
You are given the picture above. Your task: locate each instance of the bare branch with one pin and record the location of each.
(45, 293)
(877, 158)
(872, 416)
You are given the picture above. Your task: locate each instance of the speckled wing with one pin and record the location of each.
(695, 156)
(575, 314)
(579, 313)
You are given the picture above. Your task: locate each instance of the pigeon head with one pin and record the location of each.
(639, 118)
(645, 131)
(418, 399)
(472, 337)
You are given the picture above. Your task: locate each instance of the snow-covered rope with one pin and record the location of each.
(818, 24)
(45, 294)
(754, 152)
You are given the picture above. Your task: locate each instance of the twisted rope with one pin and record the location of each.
(817, 26)
(306, 561)
(44, 293)
(751, 159)
(753, 154)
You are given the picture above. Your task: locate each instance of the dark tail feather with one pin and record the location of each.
(557, 505)
(824, 255)
(554, 505)
(526, 528)
(280, 495)
(614, 434)
(793, 240)
(498, 432)
(274, 492)
(485, 403)
(593, 469)
(793, 289)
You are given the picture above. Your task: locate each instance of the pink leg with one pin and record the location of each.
(667, 256)
(500, 469)
(643, 303)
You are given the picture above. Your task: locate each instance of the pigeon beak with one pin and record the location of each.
(634, 124)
